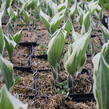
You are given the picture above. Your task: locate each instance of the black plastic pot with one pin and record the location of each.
(74, 97)
(24, 69)
(26, 44)
(40, 56)
(43, 70)
(82, 97)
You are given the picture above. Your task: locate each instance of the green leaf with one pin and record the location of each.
(68, 26)
(26, 17)
(10, 45)
(8, 3)
(93, 6)
(56, 21)
(55, 48)
(17, 37)
(31, 4)
(18, 79)
(76, 55)
(86, 24)
(63, 6)
(73, 9)
(2, 41)
(105, 32)
(52, 7)
(12, 13)
(45, 19)
(96, 60)
(81, 15)
(104, 3)
(8, 101)
(101, 77)
(7, 70)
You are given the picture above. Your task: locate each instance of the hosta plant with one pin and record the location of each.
(87, 15)
(55, 50)
(75, 58)
(101, 77)
(11, 42)
(52, 24)
(53, 8)
(29, 4)
(8, 101)
(7, 10)
(6, 67)
(57, 14)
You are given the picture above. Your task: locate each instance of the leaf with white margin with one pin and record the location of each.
(45, 19)
(10, 45)
(101, 77)
(52, 7)
(56, 21)
(105, 32)
(63, 6)
(86, 23)
(17, 37)
(6, 68)
(76, 55)
(55, 47)
(8, 101)
(68, 26)
(73, 9)
(93, 6)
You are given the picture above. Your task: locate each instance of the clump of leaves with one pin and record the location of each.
(55, 50)
(75, 58)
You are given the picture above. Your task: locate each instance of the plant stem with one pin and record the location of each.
(70, 83)
(55, 74)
